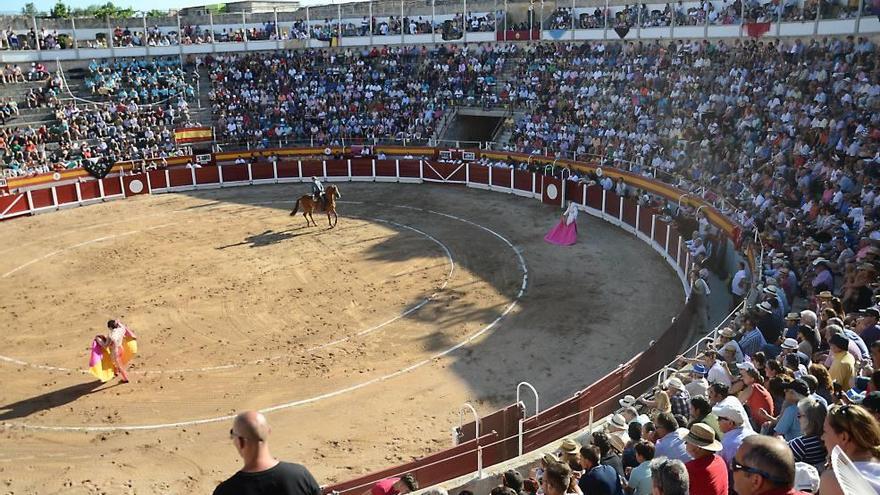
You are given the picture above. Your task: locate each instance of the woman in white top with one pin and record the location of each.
(857, 433)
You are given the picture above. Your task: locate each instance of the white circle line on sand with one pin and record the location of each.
(335, 393)
(220, 367)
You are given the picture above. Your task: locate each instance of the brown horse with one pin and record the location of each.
(309, 205)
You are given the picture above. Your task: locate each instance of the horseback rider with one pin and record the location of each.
(318, 192)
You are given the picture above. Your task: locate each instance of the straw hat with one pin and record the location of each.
(703, 436)
(569, 446)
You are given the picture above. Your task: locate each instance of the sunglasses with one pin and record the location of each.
(737, 466)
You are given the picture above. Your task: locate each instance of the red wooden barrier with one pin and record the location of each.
(66, 193)
(288, 169)
(478, 174)
(501, 177)
(261, 171)
(112, 186)
(386, 168)
(311, 168)
(135, 185)
(337, 168)
(157, 180)
(522, 180)
(645, 216)
(42, 198)
(12, 205)
(594, 197)
(236, 173)
(410, 168)
(630, 207)
(574, 191)
(361, 168)
(612, 204)
(208, 175)
(179, 177)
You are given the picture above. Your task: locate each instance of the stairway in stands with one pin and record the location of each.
(27, 116)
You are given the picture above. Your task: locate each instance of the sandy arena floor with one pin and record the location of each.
(356, 335)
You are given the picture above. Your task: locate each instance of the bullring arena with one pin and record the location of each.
(362, 340)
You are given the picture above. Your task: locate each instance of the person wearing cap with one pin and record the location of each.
(317, 189)
(763, 466)
(823, 279)
(806, 477)
(787, 424)
(597, 478)
(513, 480)
(867, 326)
(698, 383)
(707, 471)
(770, 323)
(569, 453)
(843, 364)
(678, 397)
(669, 438)
(791, 325)
(732, 422)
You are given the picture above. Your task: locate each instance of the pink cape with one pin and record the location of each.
(562, 234)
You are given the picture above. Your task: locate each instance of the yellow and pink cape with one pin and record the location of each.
(101, 362)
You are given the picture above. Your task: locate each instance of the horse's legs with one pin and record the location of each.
(335, 218)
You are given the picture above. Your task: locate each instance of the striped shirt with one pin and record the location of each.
(808, 449)
(752, 342)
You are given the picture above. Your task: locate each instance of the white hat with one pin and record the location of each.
(627, 401)
(746, 365)
(675, 383)
(731, 413)
(617, 423)
(790, 344)
(765, 307)
(806, 477)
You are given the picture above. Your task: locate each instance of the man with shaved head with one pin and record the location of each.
(262, 473)
(763, 465)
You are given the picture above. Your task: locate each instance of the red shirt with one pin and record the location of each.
(708, 476)
(385, 487)
(760, 399)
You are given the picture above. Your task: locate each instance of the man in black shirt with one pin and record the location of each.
(262, 473)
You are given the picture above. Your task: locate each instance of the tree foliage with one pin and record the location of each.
(29, 9)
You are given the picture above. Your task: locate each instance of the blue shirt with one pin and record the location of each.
(788, 425)
(752, 342)
(601, 480)
(672, 446)
(640, 479)
(731, 442)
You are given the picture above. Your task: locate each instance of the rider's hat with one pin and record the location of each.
(314, 178)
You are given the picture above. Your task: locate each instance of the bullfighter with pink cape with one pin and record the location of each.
(565, 232)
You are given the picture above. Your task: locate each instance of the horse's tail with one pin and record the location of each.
(295, 207)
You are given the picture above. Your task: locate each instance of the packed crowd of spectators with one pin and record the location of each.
(356, 94)
(139, 80)
(11, 39)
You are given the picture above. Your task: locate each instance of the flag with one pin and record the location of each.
(621, 31)
(101, 363)
(757, 29)
(193, 134)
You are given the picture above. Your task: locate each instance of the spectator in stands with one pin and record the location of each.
(809, 447)
(857, 433)
(263, 473)
(669, 439)
(871, 403)
(701, 412)
(639, 482)
(669, 477)
(707, 471)
(787, 424)
(678, 397)
(731, 421)
(752, 340)
(598, 478)
(555, 479)
(394, 486)
(763, 465)
(698, 383)
(754, 395)
(513, 480)
(608, 454)
(843, 366)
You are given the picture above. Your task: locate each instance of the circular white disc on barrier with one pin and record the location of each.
(136, 186)
(552, 192)
(56, 176)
